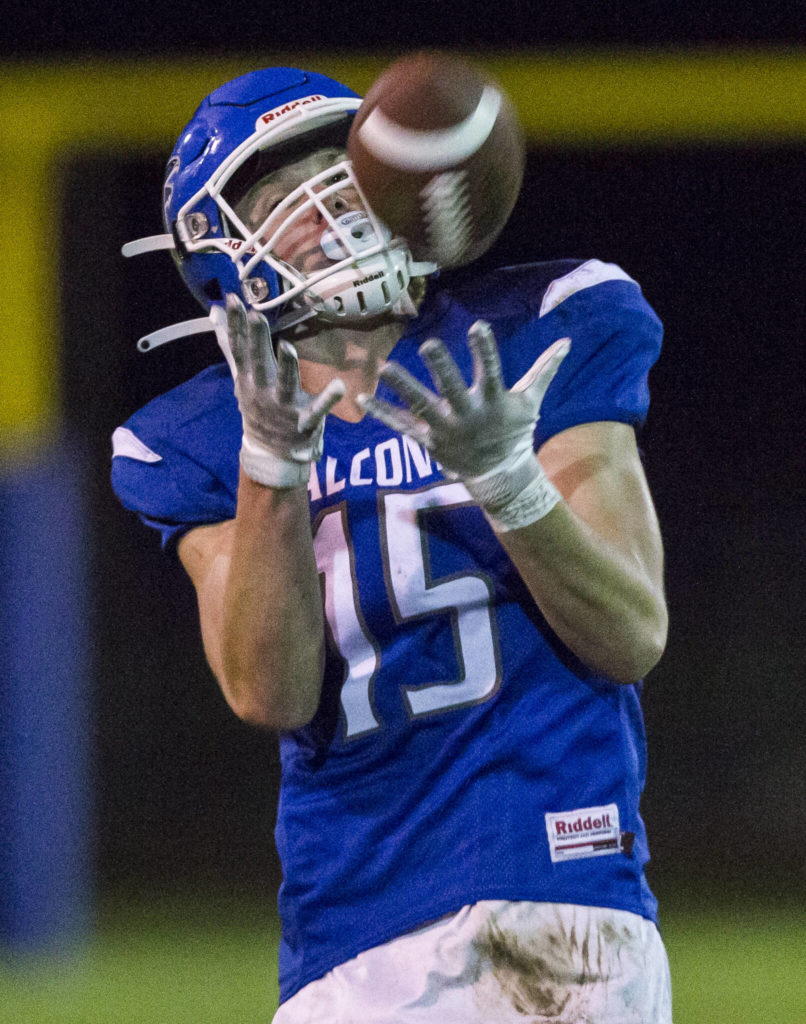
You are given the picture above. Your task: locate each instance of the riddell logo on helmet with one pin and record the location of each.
(236, 243)
(279, 112)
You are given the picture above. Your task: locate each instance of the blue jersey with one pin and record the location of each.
(460, 751)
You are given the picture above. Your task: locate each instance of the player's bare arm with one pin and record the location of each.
(592, 561)
(256, 575)
(259, 605)
(594, 564)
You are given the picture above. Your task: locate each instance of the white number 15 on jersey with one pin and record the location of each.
(412, 594)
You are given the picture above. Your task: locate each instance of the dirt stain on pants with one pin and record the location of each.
(575, 967)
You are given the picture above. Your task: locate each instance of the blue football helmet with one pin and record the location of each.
(242, 132)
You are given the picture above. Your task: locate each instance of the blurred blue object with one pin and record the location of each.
(45, 849)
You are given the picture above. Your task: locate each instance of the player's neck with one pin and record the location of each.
(354, 353)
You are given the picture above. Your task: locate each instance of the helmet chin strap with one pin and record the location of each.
(184, 329)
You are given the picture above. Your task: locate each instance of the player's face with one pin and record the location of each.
(300, 244)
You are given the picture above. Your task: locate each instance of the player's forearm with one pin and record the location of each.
(602, 603)
(272, 636)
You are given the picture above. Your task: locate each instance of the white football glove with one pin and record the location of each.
(283, 425)
(482, 435)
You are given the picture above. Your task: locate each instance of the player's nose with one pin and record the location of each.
(344, 200)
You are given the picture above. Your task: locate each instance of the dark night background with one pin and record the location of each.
(715, 236)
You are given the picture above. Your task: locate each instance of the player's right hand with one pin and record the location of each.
(283, 425)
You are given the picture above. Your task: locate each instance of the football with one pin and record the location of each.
(438, 150)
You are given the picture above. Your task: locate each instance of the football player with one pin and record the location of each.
(426, 554)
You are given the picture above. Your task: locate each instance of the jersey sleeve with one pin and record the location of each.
(175, 461)
(615, 339)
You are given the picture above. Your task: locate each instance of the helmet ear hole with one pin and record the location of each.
(212, 289)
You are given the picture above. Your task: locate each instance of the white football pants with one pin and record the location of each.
(497, 962)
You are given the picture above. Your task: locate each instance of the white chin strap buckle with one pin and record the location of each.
(355, 228)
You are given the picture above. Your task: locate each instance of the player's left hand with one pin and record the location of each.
(482, 434)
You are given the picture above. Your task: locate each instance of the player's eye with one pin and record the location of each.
(268, 206)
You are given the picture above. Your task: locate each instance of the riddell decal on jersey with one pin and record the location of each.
(277, 113)
(585, 832)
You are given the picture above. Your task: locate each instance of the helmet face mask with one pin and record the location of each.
(352, 246)
(243, 133)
